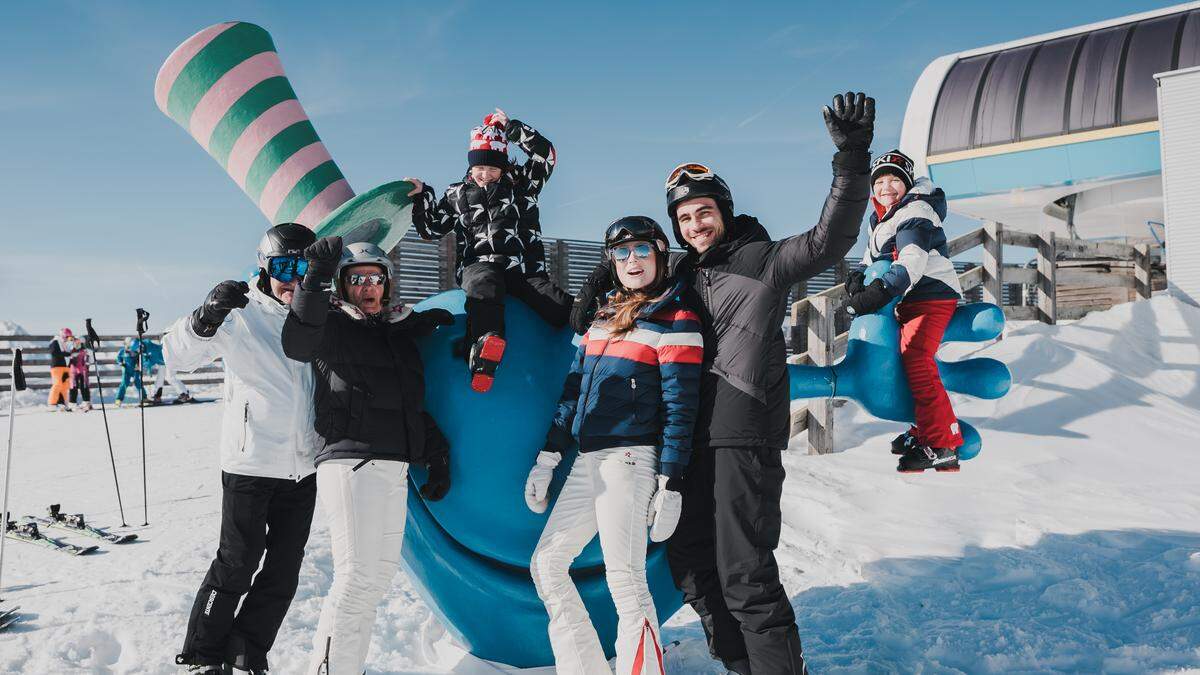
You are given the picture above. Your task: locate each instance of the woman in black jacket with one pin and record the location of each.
(370, 414)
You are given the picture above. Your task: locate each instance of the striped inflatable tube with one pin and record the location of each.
(226, 87)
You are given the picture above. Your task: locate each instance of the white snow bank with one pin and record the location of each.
(1071, 543)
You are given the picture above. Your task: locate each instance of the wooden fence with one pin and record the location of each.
(35, 353)
(1070, 279)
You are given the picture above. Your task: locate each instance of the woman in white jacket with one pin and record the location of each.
(267, 450)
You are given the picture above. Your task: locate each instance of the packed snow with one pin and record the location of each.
(1072, 543)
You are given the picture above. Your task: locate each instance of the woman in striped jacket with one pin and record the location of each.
(629, 403)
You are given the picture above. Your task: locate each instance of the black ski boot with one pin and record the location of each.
(903, 442)
(199, 668)
(157, 397)
(485, 357)
(921, 457)
(185, 397)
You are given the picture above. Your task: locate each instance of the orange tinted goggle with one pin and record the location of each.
(693, 170)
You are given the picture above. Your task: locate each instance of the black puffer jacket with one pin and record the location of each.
(739, 287)
(370, 382)
(500, 222)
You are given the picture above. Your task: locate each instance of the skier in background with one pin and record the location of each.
(906, 228)
(60, 372)
(268, 488)
(79, 364)
(131, 373)
(152, 357)
(493, 213)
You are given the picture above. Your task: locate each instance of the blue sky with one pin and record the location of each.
(109, 205)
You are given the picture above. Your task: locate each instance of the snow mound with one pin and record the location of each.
(1072, 543)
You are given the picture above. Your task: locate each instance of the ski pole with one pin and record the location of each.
(142, 317)
(94, 343)
(18, 384)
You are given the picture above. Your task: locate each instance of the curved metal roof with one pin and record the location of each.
(1065, 83)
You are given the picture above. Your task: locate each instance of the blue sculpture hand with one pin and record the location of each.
(872, 374)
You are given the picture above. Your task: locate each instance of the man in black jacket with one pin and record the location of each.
(722, 553)
(370, 414)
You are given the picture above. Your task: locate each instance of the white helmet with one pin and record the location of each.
(364, 253)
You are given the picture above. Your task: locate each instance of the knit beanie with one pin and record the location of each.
(488, 146)
(895, 163)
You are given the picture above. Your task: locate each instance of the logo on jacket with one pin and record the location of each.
(629, 459)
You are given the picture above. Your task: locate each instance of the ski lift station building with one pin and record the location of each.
(1063, 131)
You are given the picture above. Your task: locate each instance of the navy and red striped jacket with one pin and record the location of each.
(641, 388)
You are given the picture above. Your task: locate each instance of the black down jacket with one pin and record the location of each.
(498, 223)
(739, 288)
(369, 382)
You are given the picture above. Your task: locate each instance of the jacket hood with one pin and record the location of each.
(922, 190)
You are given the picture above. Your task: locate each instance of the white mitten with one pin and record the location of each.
(538, 483)
(665, 507)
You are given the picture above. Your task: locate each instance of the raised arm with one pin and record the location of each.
(304, 328)
(536, 170)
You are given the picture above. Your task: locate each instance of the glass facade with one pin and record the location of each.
(1091, 81)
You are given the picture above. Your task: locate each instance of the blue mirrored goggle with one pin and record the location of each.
(287, 268)
(621, 252)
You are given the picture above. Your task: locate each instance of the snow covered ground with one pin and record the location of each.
(1071, 544)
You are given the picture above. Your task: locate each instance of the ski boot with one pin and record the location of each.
(185, 397)
(903, 442)
(921, 457)
(157, 399)
(86, 407)
(199, 668)
(120, 403)
(485, 357)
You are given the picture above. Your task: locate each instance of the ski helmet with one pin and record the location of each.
(692, 180)
(895, 163)
(285, 239)
(66, 333)
(365, 253)
(640, 228)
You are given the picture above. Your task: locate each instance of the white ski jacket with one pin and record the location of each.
(267, 430)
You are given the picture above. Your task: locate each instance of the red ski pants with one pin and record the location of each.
(922, 324)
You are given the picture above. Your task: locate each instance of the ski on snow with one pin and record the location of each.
(75, 522)
(8, 617)
(28, 532)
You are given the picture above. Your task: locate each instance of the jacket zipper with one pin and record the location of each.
(707, 288)
(245, 424)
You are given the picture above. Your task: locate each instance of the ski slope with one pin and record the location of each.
(1071, 544)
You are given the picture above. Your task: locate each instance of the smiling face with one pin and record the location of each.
(700, 223)
(634, 272)
(368, 298)
(283, 290)
(888, 189)
(482, 175)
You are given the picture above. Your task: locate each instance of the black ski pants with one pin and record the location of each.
(722, 557)
(486, 285)
(258, 515)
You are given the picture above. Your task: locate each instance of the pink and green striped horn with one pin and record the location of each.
(226, 87)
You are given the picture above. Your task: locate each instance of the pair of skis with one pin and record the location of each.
(29, 530)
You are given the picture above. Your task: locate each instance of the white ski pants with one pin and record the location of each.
(608, 491)
(366, 511)
(165, 375)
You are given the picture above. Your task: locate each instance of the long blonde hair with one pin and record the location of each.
(620, 315)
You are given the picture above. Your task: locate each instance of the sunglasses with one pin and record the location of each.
(693, 170)
(366, 279)
(621, 252)
(287, 268)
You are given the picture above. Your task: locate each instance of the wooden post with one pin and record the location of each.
(841, 270)
(1047, 298)
(821, 334)
(446, 263)
(799, 328)
(1141, 271)
(993, 263)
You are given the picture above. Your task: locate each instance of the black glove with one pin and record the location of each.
(854, 282)
(424, 323)
(870, 299)
(323, 256)
(595, 287)
(438, 483)
(222, 299)
(851, 121)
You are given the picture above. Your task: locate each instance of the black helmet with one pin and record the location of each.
(639, 228)
(692, 180)
(285, 239)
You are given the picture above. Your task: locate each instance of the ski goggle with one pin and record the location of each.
(640, 250)
(287, 268)
(366, 279)
(693, 170)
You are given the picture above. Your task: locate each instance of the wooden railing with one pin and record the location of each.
(35, 355)
(817, 315)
